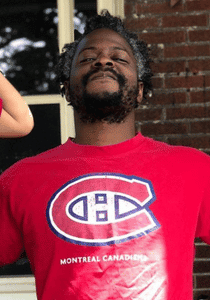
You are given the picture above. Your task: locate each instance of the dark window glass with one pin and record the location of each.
(21, 267)
(44, 136)
(83, 10)
(29, 45)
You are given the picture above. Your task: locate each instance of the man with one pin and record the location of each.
(110, 214)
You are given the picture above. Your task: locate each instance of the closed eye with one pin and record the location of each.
(87, 59)
(120, 59)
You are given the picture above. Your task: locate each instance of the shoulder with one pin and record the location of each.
(178, 154)
(163, 146)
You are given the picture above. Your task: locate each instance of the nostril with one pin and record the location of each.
(98, 64)
(109, 63)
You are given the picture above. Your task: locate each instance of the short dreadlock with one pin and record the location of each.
(105, 20)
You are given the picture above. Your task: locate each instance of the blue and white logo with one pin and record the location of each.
(102, 208)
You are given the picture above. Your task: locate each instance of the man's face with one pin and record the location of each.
(103, 81)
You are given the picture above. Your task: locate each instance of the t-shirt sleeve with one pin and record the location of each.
(1, 106)
(11, 243)
(203, 223)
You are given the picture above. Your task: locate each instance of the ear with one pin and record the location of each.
(67, 86)
(140, 93)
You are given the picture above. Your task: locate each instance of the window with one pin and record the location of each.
(31, 34)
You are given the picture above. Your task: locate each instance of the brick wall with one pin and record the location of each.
(179, 111)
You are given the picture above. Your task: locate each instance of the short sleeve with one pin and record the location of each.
(11, 244)
(0, 106)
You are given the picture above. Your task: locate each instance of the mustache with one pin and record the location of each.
(120, 78)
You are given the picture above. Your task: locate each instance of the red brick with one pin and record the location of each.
(156, 52)
(203, 281)
(157, 82)
(172, 98)
(199, 35)
(206, 151)
(188, 112)
(194, 282)
(198, 5)
(158, 8)
(195, 142)
(163, 37)
(128, 7)
(168, 67)
(197, 294)
(207, 81)
(184, 82)
(201, 266)
(140, 23)
(187, 51)
(200, 127)
(167, 128)
(197, 240)
(199, 65)
(196, 97)
(184, 21)
(203, 251)
(148, 114)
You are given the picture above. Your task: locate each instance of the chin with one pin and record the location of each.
(105, 106)
(104, 95)
(100, 93)
(102, 100)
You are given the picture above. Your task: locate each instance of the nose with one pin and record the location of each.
(103, 61)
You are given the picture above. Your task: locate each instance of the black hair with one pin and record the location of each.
(105, 20)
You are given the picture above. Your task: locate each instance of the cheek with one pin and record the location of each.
(77, 75)
(132, 80)
(75, 78)
(131, 76)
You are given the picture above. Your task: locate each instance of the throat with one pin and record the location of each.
(104, 134)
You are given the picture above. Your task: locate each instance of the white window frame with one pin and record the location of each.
(23, 287)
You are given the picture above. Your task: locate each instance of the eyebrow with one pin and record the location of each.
(94, 48)
(87, 48)
(120, 48)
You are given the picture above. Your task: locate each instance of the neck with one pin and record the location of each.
(103, 134)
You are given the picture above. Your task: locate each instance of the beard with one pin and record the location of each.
(109, 107)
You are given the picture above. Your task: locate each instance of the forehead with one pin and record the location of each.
(104, 38)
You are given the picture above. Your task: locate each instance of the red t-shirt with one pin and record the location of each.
(107, 223)
(0, 106)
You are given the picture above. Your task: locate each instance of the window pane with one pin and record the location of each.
(21, 267)
(44, 136)
(83, 10)
(29, 45)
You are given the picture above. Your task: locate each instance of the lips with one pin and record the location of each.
(99, 75)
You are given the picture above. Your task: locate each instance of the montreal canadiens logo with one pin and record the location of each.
(101, 209)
